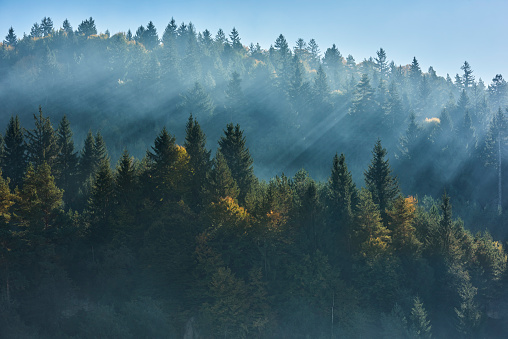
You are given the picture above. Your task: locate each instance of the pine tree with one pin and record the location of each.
(10, 38)
(87, 163)
(232, 146)
(87, 28)
(379, 180)
(35, 31)
(468, 77)
(161, 167)
(150, 37)
(220, 182)
(495, 144)
(40, 200)
(47, 26)
(321, 87)
(42, 142)
(67, 27)
(169, 32)
(66, 164)
(199, 160)
(342, 198)
(381, 64)
(363, 103)
(100, 203)
(235, 40)
(14, 155)
(420, 325)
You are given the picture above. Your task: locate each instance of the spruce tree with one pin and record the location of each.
(67, 160)
(220, 182)
(161, 167)
(42, 143)
(14, 156)
(237, 155)
(420, 325)
(379, 180)
(199, 160)
(87, 164)
(10, 38)
(342, 197)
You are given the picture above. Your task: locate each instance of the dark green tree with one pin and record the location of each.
(35, 31)
(42, 145)
(199, 160)
(10, 38)
(67, 27)
(87, 162)
(467, 77)
(66, 164)
(14, 155)
(47, 26)
(380, 182)
(237, 155)
(235, 40)
(100, 203)
(87, 28)
(220, 182)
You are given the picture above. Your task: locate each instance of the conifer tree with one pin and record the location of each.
(67, 27)
(420, 325)
(87, 28)
(161, 166)
(40, 200)
(379, 180)
(199, 159)
(363, 102)
(467, 77)
(100, 203)
(342, 197)
(10, 38)
(42, 142)
(67, 160)
(237, 156)
(220, 182)
(87, 164)
(14, 156)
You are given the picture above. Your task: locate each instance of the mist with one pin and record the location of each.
(298, 105)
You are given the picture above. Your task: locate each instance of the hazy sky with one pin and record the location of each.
(440, 33)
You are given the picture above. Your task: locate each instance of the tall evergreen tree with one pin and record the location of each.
(237, 155)
(379, 180)
(467, 77)
(42, 143)
(220, 182)
(14, 155)
(66, 160)
(161, 167)
(10, 38)
(199, 160)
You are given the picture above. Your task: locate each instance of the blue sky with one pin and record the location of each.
(442, 34)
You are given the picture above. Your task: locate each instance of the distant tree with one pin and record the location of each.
(321, 87)
(169, 32)
(150, 37)
(10, 38)
(300, 47)
(234, 94)
(235, 40)
(495, 144)
(67, 27)
(381, 64)
(409, 141)
(467, 77)
(14, 155)
(36, 31)
(87, 162)
(313, 49)
(498, 92)
(380, 182)
(198, 102)
(47, 26)
(129, 35)
(415, 71)
(237, 156)
(333, 63)
(87, 28)
(420, 325)
(363, 103)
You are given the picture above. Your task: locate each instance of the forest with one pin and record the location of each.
(190, 185)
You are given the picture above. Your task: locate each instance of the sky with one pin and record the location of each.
(439, 33)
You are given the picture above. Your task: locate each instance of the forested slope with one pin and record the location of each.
(214, 237)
